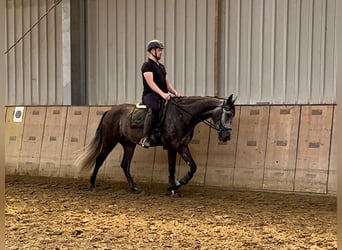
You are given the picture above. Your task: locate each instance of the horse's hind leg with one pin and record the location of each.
(99, 161)
(129, 148)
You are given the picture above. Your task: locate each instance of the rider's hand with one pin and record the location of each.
(166, 96)
(177, 94)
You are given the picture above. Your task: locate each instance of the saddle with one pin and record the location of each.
(139, 113)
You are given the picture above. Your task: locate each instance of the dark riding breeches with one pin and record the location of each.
(153, 103)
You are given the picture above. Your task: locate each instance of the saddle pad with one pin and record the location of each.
(138, 117)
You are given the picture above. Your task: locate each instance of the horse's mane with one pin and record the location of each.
(187, 100)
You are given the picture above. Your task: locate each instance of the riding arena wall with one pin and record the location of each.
(279, 58)
(289, 148)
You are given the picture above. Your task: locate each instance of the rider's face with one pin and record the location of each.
(158, 52)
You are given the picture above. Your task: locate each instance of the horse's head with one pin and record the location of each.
(223, 123)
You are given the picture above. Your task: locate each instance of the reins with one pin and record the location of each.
(206, 122)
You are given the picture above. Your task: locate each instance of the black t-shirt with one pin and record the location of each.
(159, 76)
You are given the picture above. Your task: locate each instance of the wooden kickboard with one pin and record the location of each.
(74, 139)
(32, 140)
(332, 182)
(221, 157)
(198, 148)
(282, 137)
(112, 165)
(219, 177)
(332, 173)
(252, 137)
(314, 181)
(142, 163)
(51, 152)
(314, 138)
(333, 150)
(160, 167)
(13, 139)
(248, 178)
(279, 179)
(95, 115)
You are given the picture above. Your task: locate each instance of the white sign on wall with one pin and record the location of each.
(18, 114)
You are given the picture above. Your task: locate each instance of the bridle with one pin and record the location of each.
(219, 129)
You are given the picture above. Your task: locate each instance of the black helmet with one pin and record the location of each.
(154, 44)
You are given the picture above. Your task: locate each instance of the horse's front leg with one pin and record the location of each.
(186, 155)
(172, 156)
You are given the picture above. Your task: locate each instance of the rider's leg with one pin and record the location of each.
(148, 127)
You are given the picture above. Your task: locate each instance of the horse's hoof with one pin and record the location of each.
(174, 193)
(137, 190)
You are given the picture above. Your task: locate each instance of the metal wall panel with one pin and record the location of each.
(274, 51)
(34, 64)
(278, 51)
(117, 32)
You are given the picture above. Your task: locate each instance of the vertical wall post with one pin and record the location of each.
(77, 28)
(3, 30)
(217, 48)
(74, 90)
(66, 38)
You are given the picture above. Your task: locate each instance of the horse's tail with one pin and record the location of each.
(85, 161)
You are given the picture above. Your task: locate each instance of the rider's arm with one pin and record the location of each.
(149, 79)
(171, 88)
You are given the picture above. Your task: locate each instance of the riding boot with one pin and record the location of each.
(148, 126)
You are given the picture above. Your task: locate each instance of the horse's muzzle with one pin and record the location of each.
(224, 135)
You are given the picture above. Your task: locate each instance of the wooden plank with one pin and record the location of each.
(32, 140)
(221, 157)
(51, 152)
(314, 181)
(282, 138)
(248, 178)
(252, 137)
(332, 173)
(219, 177)
(279, 179)
(112, 165)
(95, 115)
(161, 166)
(74, 139)
(142, 164)
(198, 148)
(333, 149)
(314, 138)
(13, 139)
(332, 182)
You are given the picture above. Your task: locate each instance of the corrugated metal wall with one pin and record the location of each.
(278, 51)
(117, 33)
(34, 64)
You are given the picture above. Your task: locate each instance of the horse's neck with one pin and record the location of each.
(204, 108)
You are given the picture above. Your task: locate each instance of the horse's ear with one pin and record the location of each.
(234, 99)
(230, 99)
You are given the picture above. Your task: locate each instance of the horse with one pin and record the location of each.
(174, 133)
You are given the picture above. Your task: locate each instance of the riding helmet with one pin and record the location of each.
(154, 44)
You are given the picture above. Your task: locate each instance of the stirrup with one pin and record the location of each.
(144, 142)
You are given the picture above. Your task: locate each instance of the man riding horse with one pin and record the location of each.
(156, 88)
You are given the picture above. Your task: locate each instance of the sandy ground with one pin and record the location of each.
(54, 213)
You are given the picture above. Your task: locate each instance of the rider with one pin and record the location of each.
(156, 87)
